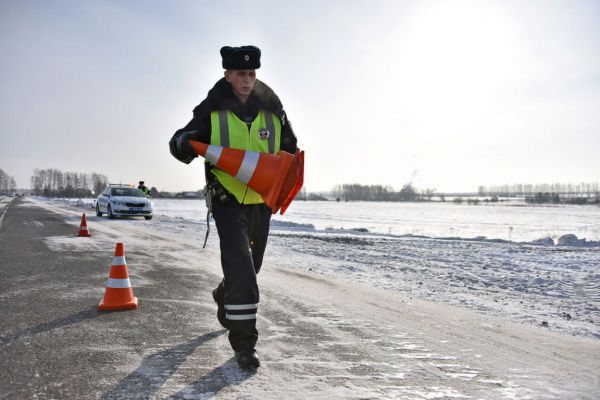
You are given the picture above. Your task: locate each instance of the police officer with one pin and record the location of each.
(240, 112)
(144, 189)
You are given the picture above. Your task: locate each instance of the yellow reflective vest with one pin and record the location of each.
(228, 130)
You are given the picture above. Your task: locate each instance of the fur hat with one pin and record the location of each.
(244, 57)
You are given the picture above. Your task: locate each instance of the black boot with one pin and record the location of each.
(247, 359)
(220, 308)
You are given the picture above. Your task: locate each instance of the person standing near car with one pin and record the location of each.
(144, 189)
(241, 112)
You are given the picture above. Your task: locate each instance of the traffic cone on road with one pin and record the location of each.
(118, 294)
(83, 228)
(276, 177)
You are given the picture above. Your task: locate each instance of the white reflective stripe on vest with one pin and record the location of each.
(118, 283)
(271, 128)
(224, 127)
(248, 166)
(213, 153)
(241, 306)
(119, 260)
(241, 317)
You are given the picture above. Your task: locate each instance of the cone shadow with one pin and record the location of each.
(48, 326)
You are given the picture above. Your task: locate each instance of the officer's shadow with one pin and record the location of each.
(157, 368)
(228, 374)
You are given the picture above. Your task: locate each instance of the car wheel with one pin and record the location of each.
(110, 213)
(98, 212)
(147, 217)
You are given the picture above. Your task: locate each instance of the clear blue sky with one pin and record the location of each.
(446, 94)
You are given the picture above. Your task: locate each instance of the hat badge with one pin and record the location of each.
(263, 133)
(246, 57)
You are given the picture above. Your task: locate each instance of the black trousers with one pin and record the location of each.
(243, 232)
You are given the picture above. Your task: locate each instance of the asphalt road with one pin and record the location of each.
(319, 338)
(55, 344)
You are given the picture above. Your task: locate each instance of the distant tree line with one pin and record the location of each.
(555, 198)
(55, 183)
(156, 194)
(356, 192)
(7, 183)
(304, 195)
(519, 189)
(556, 193)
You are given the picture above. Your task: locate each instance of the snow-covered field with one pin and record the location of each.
(504, 260)
(513, 221)
(508, 221)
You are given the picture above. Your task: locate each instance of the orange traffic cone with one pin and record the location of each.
(118, 294)
(276, 177)
(83, 228)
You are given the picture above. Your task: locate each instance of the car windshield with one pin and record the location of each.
(131, 192)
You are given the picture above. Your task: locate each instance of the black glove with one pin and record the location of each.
(181, 148)
(183, 145)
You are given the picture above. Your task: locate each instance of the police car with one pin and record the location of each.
(121, 201)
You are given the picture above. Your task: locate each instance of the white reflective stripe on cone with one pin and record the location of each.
(213, 153)
(240, 317)
(248, 166)
(119, 260)
(241, 306)
(118, 283)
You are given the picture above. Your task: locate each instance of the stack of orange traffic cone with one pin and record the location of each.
(276, 177)
(118, 294)
(83, 228)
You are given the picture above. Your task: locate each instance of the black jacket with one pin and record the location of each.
(221, 97)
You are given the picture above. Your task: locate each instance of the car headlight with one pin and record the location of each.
(118, 203)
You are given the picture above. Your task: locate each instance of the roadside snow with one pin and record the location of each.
(556, 287)
(4, 202)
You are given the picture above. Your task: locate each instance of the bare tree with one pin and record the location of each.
(7, 183)
(53, 182)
